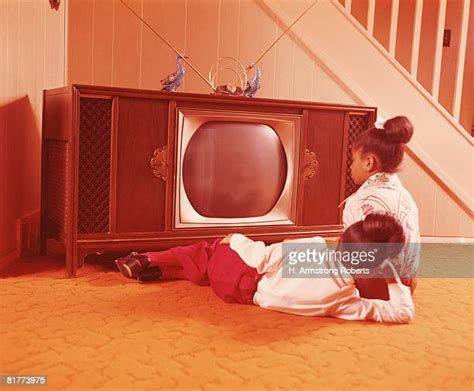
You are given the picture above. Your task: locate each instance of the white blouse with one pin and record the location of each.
(321, 296)
(384, 192)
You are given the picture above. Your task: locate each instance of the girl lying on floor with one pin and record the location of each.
(240, 270)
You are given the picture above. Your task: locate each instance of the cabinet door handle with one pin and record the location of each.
(311, 164)
(159, 162)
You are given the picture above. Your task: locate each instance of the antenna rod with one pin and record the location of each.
(168, 44)
(282, 34)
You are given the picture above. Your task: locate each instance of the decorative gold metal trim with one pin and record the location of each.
(159, 162)
(310, 164)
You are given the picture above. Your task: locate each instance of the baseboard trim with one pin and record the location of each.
(8, 259)
(447, 239)
(27, 233)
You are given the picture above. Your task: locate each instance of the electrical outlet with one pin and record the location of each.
(447, 38)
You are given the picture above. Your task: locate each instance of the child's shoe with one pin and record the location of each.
(132, 264)
(152, 273)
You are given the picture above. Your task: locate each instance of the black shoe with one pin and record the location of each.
(132, 264)
(152, 273)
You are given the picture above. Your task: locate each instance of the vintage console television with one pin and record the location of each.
(127, 169)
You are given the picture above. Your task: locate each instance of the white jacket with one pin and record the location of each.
(384, 192)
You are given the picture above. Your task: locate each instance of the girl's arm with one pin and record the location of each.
(399, 309)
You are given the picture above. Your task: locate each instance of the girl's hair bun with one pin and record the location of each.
(398, 129)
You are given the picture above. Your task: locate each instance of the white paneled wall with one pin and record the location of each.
(32, 47)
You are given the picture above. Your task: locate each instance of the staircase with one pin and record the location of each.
(351, 55)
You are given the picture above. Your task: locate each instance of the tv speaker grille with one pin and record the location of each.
(94, 165)
(56, 188)
(357, 124)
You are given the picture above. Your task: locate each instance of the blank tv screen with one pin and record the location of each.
(234, 169)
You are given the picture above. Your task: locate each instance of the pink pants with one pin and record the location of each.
(211, 264)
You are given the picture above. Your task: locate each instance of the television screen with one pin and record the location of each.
(234, 169)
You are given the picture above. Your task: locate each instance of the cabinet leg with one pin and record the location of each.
(83, 254)
(43, 250)
(76, 258)
(43, 240)
(71, 259)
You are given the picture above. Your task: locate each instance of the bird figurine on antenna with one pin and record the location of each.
(254, 83)
(175, 79)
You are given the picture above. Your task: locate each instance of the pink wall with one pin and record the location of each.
(32, 47)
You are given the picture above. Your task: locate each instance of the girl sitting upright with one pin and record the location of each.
(376, 157)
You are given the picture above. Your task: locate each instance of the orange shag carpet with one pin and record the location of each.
(102, 331)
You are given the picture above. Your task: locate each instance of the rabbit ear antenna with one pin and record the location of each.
(281, 36)
(167, 43)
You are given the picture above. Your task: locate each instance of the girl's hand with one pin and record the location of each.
(389, 272)
(411, 282)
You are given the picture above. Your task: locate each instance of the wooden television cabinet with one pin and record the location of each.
(109, 168)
